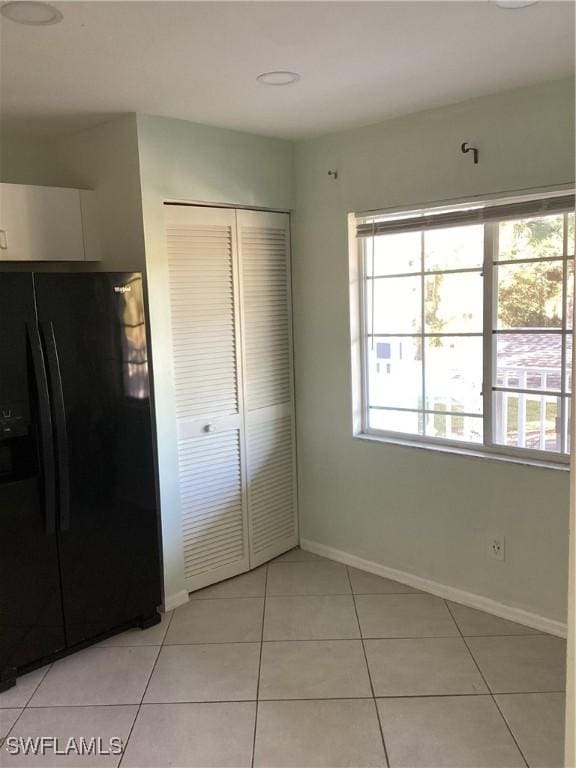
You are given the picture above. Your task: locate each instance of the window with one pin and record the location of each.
(466, 326)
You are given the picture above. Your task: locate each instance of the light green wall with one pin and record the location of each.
(187, 162)
(415, 510)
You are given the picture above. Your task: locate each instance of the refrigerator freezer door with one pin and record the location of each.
(31, 623)
(94, 335)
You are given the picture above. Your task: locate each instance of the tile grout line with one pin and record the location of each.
(125, 747)
(25, 707)
(487, 685)
(310, 698)
(259, 667)
(317, 594)
(39, 684)
(315, 640)
(368, 670)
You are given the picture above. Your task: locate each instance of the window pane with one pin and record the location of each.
(569, 363)
(453, 369)
(397, 305)
(454, 248)
(452, 426)
(568, 423)
(396, 421)
(527, 421)
(529, 361)
(536, 238)
(395, 372)
(571, 234)
(570, 295)
(453, 303)
(530, 295)
(394, 254)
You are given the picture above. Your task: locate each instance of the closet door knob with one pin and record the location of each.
(209, 428)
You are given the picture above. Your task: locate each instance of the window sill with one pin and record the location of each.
(475, 453)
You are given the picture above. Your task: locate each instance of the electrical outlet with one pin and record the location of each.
(496, 547)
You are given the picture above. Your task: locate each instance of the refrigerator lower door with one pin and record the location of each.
(31, 621)
(94, 334)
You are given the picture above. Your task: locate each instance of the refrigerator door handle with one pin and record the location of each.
(60, 428)
(45, 424)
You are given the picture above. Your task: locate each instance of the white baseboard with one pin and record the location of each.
(472, 600)
(175, 600)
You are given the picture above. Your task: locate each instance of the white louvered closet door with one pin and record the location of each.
(264, 258)
(202, 263)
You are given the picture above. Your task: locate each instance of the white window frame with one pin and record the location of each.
(360, 339)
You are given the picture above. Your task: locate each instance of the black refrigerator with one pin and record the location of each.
(79, 523)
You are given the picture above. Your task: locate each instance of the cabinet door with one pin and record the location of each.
(40, 224)
(264, 254)
(203, 278)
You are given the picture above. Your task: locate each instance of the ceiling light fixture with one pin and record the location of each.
(512, 5)
(31, 12)
(278, 77)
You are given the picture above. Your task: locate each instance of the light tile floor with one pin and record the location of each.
(304, 662)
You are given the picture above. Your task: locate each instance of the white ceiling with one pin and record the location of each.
(360, 62)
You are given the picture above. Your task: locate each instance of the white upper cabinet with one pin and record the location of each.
(46, 224)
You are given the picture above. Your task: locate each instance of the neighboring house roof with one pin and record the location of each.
(529, 350)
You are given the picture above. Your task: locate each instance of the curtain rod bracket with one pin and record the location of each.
(465, 147)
